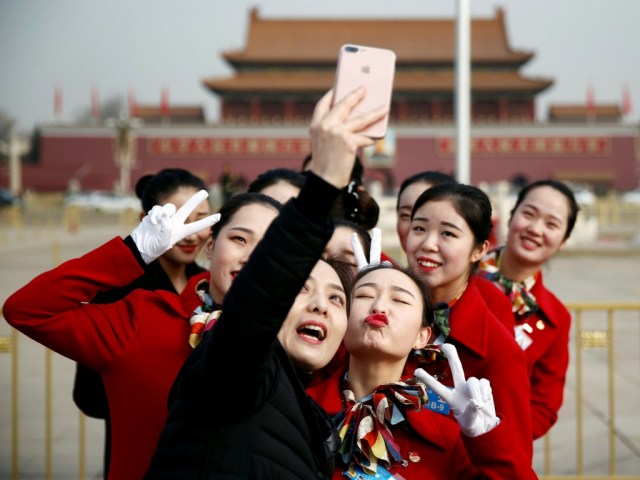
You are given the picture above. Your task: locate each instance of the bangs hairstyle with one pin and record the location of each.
(427, 306)
(152, 190)
(470, 203)
(560, 187)
(345, 274)
(235, 203)
(429, 176)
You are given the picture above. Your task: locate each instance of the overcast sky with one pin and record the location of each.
(146, 45)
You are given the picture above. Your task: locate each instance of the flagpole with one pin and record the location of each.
(164, 105)
(95, 104)
(463, 92)
(591, 104)
(57, 104)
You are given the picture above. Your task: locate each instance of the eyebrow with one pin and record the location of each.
(242, 229)
(334, 286)
(396, 288)
(533, 207)
(447, 224)
(403, 290)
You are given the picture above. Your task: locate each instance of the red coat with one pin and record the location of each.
(547, 356)
(488, 350)
(436, 440)
(499, 305)
(138, 344)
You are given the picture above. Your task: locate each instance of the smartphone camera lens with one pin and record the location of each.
(351, 49)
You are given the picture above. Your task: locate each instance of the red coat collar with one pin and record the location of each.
(470, 320)
(548, 303)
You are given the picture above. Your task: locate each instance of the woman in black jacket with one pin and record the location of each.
(238, 407)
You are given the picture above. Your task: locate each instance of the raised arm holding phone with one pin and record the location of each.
(238, 408)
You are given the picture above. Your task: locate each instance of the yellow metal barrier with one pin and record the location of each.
(587, 339)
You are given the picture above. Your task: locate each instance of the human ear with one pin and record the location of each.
(423, 338)
(561, 246)
(208, 247)
(480, 251)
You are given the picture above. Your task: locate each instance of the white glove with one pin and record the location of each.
(163, 227)
(471, 400)
(374, 253)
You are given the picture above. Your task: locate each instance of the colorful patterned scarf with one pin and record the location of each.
(205, 316)
(364, 426)
(430, 356)
(522, 300)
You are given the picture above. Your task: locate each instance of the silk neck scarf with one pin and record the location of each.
(205, 316)
(364, 427)
(523, 302)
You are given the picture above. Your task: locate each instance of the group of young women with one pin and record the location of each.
(223, 374)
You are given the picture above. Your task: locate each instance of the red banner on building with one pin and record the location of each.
(200, 146)
(537, 146)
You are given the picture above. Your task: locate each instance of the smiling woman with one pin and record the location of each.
(541, 223)
(449, 234)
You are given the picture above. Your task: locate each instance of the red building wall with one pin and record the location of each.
(498, 154)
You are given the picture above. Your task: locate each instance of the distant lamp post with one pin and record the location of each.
(125, 149)
(13, 148)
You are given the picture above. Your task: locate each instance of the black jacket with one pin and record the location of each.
(238, 409)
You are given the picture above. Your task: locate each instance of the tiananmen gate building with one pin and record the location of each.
(285, 67)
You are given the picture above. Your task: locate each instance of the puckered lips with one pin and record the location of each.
(377, 320)
(312, 331)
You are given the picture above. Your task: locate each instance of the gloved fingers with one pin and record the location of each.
(168, 210)
(474, 392)
(435, 385)
(154, 215)
(199, 225)
(454, 363)
(358, 252)
(189, 206)
(376, 246)
(165, 217)
(486, 392)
